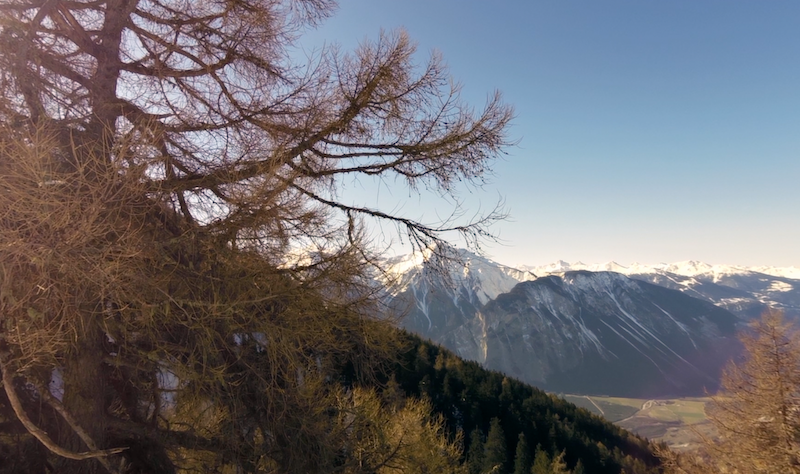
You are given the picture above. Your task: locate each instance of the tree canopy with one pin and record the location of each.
(756, 412)
(473, 400)
(160, 163)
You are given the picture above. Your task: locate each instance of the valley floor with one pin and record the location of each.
(679, 422)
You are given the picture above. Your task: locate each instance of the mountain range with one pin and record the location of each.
(686, 268)
(639, 331)
(745, 291)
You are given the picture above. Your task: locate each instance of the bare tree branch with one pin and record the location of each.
(16, 405)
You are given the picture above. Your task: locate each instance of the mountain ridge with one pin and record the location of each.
(745, 291)
(602, 333)
(687, 268)
(557, 329)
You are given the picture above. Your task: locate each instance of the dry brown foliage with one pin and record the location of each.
(160, 160)
(757, 411)
(394, 439)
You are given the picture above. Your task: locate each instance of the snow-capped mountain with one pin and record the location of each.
(432, 303)
(687, 268)
(601, 333)
(580, 332)
(466, 270)
(785, 272)
(744, 291)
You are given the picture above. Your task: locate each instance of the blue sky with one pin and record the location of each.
(649, 131)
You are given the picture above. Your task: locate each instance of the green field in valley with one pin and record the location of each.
(612, 409)
(675, 421)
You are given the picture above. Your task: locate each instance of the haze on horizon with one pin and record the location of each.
(646, 131)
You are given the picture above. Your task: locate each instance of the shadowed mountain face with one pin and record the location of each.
(604, 333)
(580, 332)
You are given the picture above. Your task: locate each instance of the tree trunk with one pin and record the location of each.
(84, 397)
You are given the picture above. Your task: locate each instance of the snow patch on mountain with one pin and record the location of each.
(571, 329)
(745, 291)
(780, 286)
(468, 271)
(688, 268)
(584, 329)
(785, 272)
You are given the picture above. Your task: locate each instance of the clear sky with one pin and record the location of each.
(649, 131)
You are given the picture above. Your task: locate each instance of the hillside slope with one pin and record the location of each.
(469, 397)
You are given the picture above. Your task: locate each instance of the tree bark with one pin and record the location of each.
(84, 396)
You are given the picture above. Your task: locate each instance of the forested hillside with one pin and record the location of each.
(470, 398)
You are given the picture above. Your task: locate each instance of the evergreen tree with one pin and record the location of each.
(475, 452)
(583, 435)
(579, 468)
(522, 458)
(494, 451)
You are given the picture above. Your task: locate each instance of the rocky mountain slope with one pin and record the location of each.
(579, 332)
(433, 304)
(601, 333)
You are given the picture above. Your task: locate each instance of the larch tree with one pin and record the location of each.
(393, 439)
(160, 163)
(756, 413)
(558, 465)
(541, 462)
